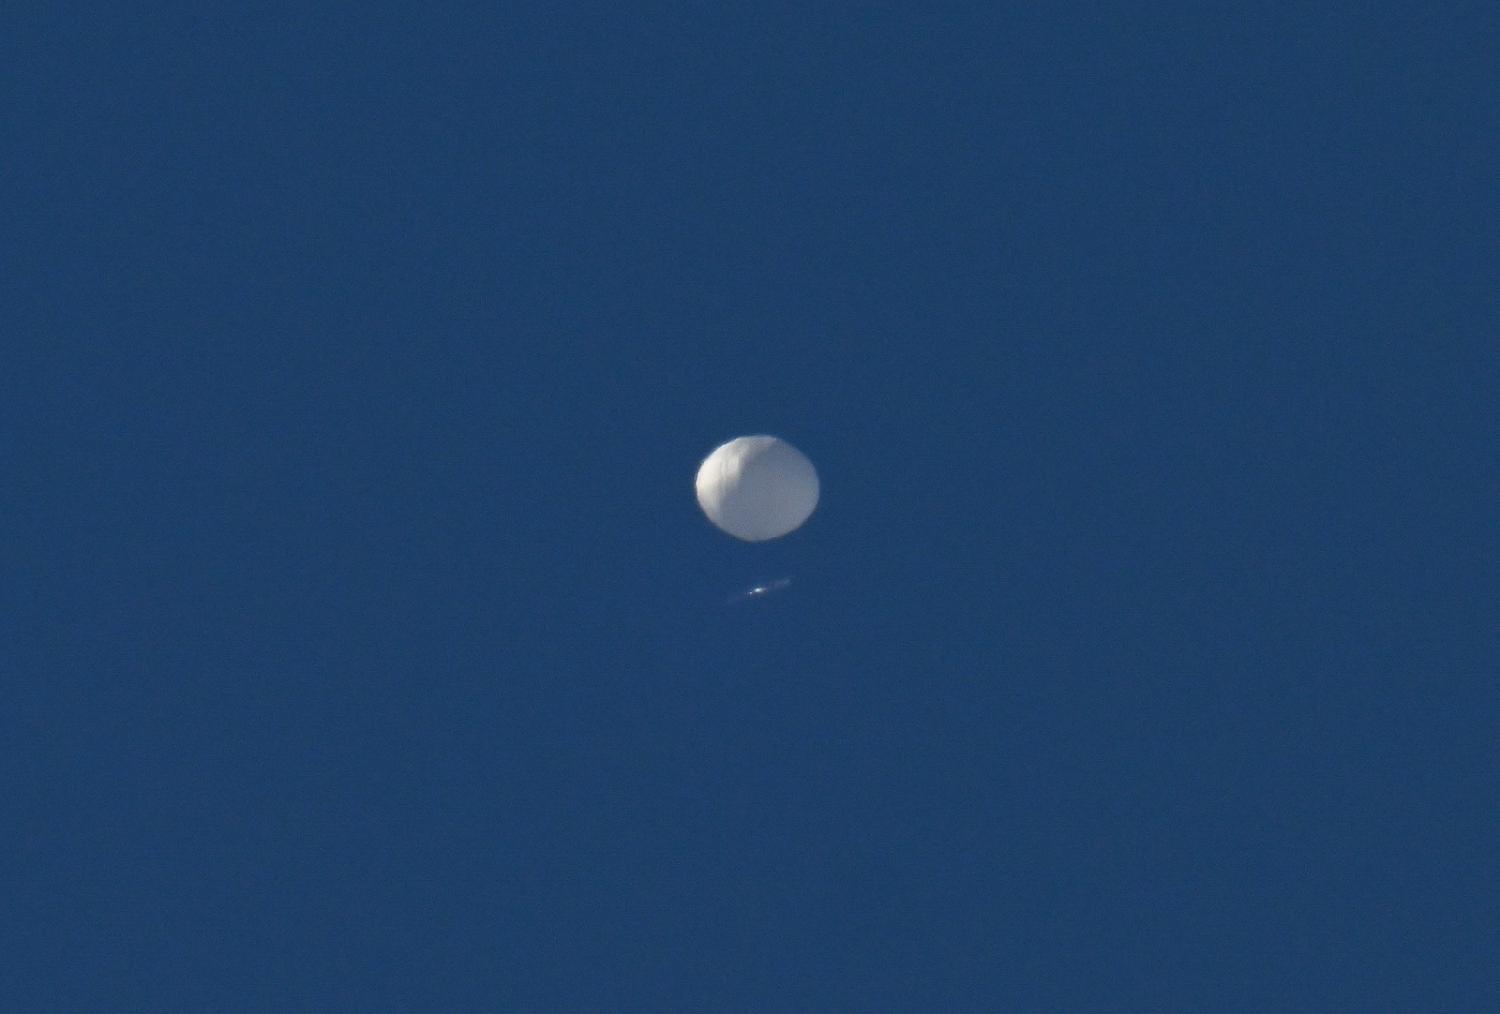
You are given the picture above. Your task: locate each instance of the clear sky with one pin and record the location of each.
(362, 646)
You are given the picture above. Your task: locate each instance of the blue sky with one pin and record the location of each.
(363, 645)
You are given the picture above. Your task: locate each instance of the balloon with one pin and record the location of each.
(757, 488)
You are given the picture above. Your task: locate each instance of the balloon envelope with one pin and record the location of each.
(757, 488)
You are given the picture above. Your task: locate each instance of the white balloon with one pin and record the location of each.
(757, 488)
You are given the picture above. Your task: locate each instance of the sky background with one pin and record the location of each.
(362, 646)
